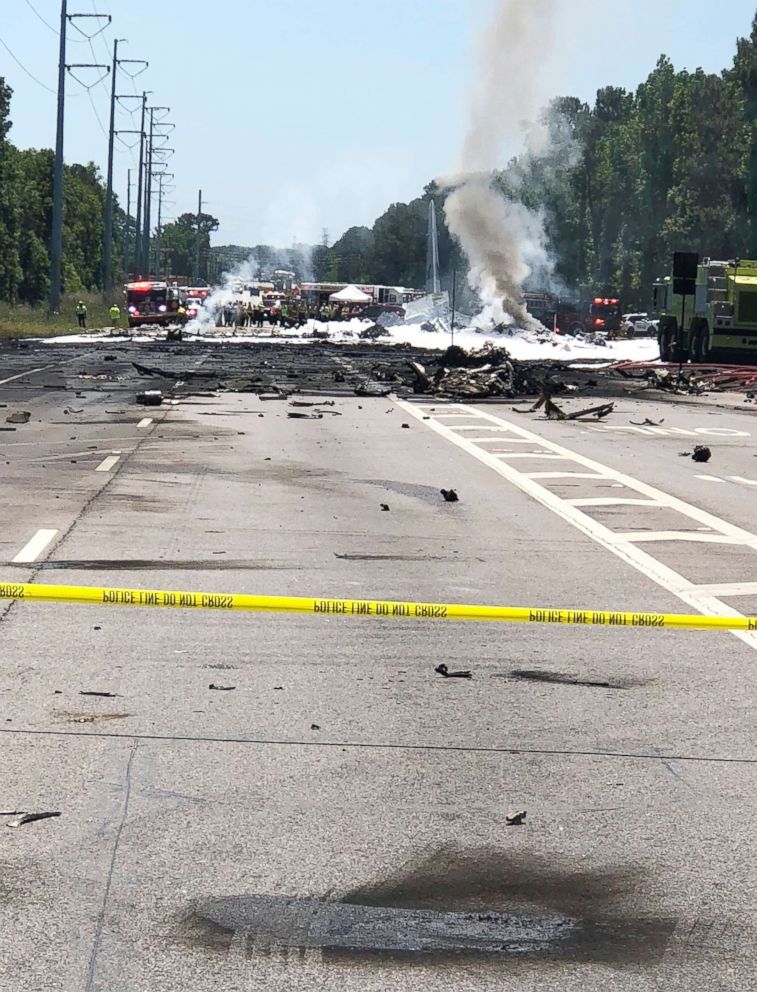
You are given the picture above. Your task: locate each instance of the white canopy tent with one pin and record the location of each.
(350, 294)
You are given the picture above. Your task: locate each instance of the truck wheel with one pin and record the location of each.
(576, 328)
(695, 344)
(663, 341)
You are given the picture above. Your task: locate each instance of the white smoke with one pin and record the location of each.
(503, 239)
(242, 274)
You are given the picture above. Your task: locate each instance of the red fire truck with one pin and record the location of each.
(601, 313)
(154, 303)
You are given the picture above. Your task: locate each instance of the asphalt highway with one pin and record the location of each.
(336, 816)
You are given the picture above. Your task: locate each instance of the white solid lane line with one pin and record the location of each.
(709, 478)
(145, 422)
(638, 558)
(107, 463)
(34, 548)
(21, 375)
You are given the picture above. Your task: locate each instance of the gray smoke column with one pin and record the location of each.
(500, 236)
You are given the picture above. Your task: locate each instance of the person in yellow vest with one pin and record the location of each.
(81, 313)
(115, 315)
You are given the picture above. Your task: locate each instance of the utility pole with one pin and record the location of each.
(148, 190)
(56, 239)
(108, 235)
(140, 175)
(56, 246)
(127, 231)
(196, 273)
(148, 199)
(159, 229)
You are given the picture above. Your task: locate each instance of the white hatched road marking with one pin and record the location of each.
(34, 547)
(700, 599)
(731, 588)
(611, 501)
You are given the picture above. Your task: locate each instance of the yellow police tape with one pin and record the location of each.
(364, 607)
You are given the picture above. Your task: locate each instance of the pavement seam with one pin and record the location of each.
(109, 879)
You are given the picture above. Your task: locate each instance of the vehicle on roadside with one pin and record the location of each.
(153, 303)
(635, 325)
(374, 310)
(717, 323)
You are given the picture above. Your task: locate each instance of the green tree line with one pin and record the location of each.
(624, 183)
(26, 199)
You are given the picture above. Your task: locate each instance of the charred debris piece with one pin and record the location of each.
(32, 818)
(447, 674)
(701, 453)
(516, 819)
(449, 495)
(555, 412)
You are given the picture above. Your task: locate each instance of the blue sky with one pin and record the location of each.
(299, 115)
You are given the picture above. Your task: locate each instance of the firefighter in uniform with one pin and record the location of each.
(81, 313)
(115, 315)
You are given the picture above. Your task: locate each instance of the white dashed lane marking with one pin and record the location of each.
(624, 545)
(145, 422)
(34, 547)
(107, 463)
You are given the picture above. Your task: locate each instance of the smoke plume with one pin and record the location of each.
(502, 238)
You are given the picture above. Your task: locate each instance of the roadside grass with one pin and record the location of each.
(34, 322)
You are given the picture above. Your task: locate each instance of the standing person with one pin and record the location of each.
(81, 313)
(115, 315)
(259, 313)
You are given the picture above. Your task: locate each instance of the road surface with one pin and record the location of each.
(337, 819)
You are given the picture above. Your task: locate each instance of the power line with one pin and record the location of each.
(46, 23)
(94, 108)
(29, 74)
(40, 17)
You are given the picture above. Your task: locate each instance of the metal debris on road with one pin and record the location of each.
(646, 422)
(93, 692)
(516, 819)
(304, 416)
(150, 397)
(221, 688)
(555, 412)
(450, 496)
(18, 417)
(31, 818)
(314, 726)
(447, 674)
(385, 507)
